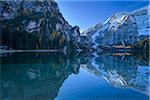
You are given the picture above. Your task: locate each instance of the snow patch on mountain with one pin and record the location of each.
(115, 21)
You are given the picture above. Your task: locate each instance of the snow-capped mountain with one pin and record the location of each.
(122, 28)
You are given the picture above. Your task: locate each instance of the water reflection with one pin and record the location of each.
(122, 70)
(34, 76)
(38, 76)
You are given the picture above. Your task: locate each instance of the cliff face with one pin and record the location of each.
(34, 25)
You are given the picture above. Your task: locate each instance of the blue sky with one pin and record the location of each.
(86, 13)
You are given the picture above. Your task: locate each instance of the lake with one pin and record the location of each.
(75, 76)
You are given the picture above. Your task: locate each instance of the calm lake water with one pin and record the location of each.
(46, 76)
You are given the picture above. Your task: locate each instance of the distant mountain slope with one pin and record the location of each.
(89, 32)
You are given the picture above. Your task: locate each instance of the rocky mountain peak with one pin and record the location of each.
(38, 23)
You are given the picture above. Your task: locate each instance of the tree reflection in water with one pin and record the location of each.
(34, 76)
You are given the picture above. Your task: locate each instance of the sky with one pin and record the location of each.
(85, 13)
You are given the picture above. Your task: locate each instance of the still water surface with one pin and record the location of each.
(46, 76)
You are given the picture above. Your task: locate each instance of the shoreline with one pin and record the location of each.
(63, 51)
(30, 51)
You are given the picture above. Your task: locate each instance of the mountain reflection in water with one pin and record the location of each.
(40, 76)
